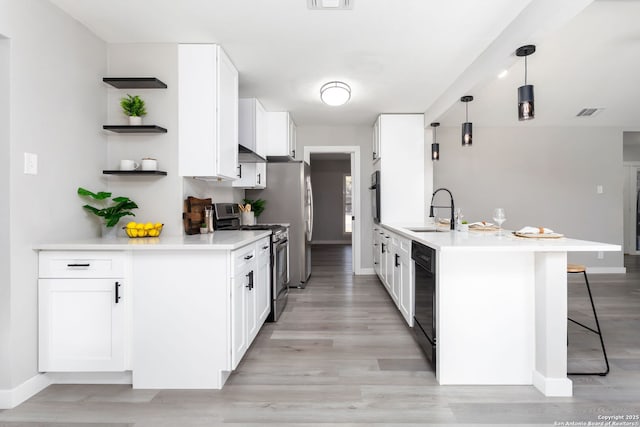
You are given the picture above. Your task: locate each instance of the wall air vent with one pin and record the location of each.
(589, 112)
(330, 4)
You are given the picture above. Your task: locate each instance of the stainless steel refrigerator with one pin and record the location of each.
(289, 199)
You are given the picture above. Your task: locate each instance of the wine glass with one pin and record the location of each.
(499, 217)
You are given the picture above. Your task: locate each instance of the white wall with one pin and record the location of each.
(541, 177)
(5, 247)
(159, 198)
(340, 136)
(57, 107)
(328, 217)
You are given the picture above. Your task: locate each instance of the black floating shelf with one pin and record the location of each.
(119, 172)
(135, 129)
(135, 82)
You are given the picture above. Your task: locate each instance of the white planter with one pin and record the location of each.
(109, 232)
(248, 218)
(135, 120)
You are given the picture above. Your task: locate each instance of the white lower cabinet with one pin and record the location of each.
(82, 308)
(248, 299)
(263, 286)
(395, 269)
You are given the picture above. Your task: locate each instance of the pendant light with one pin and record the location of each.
(526, 110)
(467, 126)
(435, 147)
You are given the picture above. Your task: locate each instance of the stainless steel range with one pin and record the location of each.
(227, 217)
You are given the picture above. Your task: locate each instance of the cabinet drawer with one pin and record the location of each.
(243, 257)
(263, 247)
(58, 264)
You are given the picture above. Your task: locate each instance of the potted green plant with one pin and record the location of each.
(257, 206)
(133, 106)
(111, 214)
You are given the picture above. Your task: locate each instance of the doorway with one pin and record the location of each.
(336, 189)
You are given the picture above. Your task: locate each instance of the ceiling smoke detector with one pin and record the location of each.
(589, 112)
(330, 4)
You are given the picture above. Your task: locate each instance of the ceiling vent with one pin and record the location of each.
(589, 112)
(330, 4)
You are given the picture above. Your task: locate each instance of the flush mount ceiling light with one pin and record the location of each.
(467, 127)
(435, 147)
(330, 4)
(335, 93)
(526, 110)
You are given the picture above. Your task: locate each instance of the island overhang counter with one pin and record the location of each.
(501, 307)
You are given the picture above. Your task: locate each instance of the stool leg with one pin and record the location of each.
(598, 331)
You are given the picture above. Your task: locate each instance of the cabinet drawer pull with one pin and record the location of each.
(118, 297)
(77, 265)
(397, 263)
(265, 247)
(240, 171)
(248, 257)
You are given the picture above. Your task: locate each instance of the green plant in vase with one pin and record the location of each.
(111, 214)
(257, 206)
(134, 107)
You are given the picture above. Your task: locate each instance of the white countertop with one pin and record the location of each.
(219, 240)
(447, 240)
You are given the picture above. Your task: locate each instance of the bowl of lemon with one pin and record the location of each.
(139, 229)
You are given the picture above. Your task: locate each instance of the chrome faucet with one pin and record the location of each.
(452, 225)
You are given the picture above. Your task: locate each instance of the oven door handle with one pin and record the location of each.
(282, 242)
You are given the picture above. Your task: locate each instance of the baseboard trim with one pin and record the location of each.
(331, 242)
(10, 398)
(606, 270)
(365, 272)
(90, 377)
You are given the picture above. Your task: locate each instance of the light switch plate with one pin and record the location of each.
(599, 189)
(30, 164)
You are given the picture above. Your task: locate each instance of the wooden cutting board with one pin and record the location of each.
(193, 214)
(539, 235)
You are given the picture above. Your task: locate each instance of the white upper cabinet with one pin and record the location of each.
(376, 140)
(402, 168)
(207, 112)
(281, 141)
(252, 134)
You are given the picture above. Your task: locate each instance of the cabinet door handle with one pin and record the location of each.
(293, 153)
(374, 155)
(118, 297)
(265, 247)
(259, 179)
(250, 276)
(240, 171)
(383, 245)
(79, 265)
(397, 263)
(248, 257)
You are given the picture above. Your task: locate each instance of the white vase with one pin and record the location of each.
(135, 120)
(109, 232)
(248, 218)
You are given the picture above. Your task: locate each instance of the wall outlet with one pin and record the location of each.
(599, 189)
(30, 164)
(600, 255)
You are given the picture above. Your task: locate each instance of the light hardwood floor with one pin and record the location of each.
(342, 355)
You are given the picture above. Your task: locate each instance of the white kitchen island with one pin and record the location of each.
(167, 312)
(501, 307)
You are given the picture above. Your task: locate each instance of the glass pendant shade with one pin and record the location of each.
(526, 109)
(467, 126)
(435, 147)
(467, 134)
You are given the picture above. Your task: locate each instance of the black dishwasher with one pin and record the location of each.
(425, 299)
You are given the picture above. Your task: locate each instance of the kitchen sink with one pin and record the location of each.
(427, 230)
